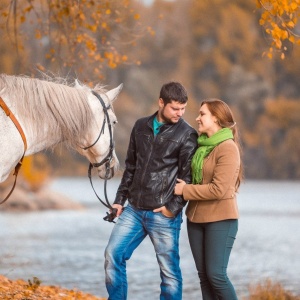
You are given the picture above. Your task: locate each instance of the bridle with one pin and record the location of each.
(9, 113)
(106, 160)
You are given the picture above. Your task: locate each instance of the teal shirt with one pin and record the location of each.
(156, 126)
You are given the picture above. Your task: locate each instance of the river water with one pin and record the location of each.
(66, 248)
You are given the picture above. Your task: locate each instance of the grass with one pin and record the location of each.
(269, 290)
(33, 290)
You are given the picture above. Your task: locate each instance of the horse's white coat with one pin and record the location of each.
(12, 146)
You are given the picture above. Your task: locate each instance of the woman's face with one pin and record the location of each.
(207, 123)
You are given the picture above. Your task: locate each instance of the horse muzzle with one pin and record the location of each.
(107, 170)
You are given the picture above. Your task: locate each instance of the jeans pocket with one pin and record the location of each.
(166, 216)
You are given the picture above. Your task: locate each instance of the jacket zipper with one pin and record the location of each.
(149, 156)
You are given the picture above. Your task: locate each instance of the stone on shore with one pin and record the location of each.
(22, 200)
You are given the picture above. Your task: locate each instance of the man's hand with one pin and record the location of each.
(119, 209)
(164, 211)
(113, 213)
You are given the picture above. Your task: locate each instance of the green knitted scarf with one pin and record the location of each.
(206, 145)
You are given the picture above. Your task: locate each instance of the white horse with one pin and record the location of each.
(50, 112)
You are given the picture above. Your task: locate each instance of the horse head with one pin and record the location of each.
(98, 146)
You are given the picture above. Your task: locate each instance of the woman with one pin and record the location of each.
(212, 212)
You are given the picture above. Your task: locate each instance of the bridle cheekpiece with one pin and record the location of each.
(106, 160)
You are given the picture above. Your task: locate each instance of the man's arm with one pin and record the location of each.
(188, 148)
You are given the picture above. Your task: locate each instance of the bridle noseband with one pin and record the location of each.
(106, 160)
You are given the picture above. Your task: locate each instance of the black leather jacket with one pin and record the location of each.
(154, 163)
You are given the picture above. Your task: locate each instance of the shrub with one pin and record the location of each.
(269, 290)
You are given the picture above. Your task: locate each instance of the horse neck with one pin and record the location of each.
(11, 146)
(38, 143)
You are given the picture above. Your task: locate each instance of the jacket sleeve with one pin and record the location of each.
(130, 165)
(224, 176)
(187, 150)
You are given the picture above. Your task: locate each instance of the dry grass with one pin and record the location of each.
(33, 290)
(269, 290)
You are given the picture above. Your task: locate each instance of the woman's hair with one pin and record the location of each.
(223, 113)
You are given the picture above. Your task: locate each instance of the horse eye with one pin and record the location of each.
(115, 122)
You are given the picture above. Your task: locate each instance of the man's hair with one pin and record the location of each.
(173, 91)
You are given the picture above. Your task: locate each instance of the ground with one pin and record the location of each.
(33, 290)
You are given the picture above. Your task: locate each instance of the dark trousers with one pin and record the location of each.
(211, 244)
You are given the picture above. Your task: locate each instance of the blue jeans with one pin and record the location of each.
(211, 244)
(131, 228)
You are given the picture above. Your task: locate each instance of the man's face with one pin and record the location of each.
(171, 112)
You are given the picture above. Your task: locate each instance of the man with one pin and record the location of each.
(160, 150)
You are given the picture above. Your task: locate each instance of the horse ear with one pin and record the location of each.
(113, 94)
(77, 83)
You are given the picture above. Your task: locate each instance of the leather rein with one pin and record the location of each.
(106, 160)
(9, 113)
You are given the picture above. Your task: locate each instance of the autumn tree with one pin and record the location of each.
(35, 171)
(85, 35)
(280, 20)
(280, 129)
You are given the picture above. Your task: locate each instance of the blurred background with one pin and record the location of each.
(215, 48)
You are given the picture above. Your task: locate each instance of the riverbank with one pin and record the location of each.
(34, 290)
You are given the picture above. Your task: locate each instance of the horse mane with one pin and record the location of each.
(64, 108)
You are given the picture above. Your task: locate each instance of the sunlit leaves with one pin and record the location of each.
(35, 171)
(75, 33)
(280, 18)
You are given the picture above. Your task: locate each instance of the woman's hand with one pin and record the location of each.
(179, 187)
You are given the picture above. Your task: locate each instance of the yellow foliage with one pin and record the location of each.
(38, 34)
(77, 29)
(279, 18)
(35, 171)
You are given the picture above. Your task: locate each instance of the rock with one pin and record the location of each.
(44, 199)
